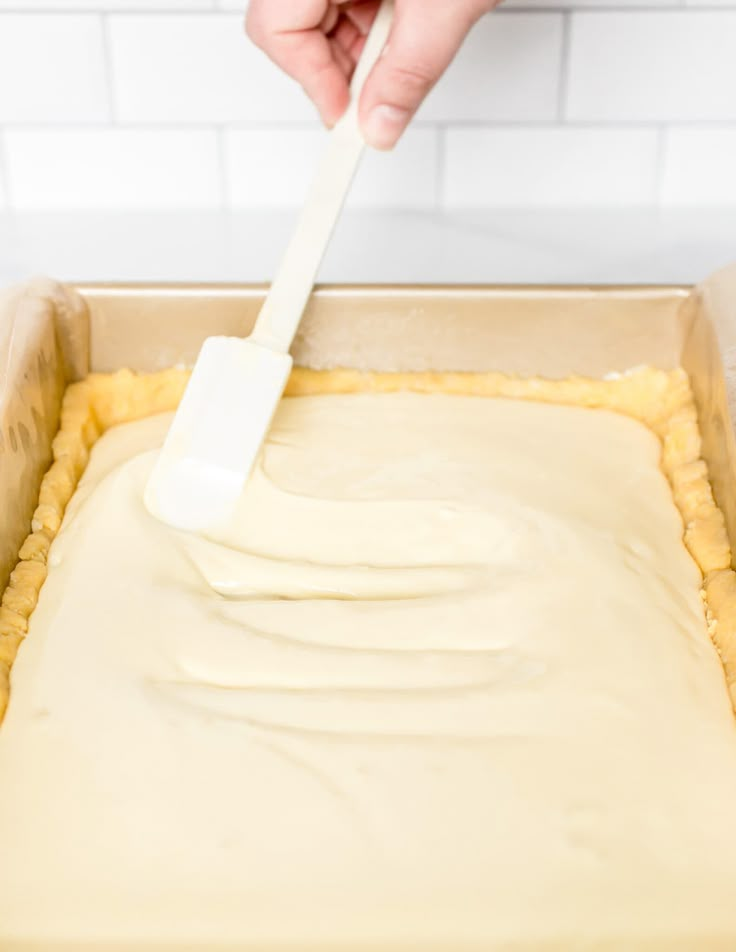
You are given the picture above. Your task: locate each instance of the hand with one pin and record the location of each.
(318, 43)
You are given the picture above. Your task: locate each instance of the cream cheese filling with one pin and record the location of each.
(445, 681)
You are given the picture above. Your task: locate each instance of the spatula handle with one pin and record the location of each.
(282, 311)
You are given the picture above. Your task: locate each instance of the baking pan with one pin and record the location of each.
(50, 334)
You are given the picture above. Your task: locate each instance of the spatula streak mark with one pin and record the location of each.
(362, 692)
(290, 641)
(323, 596)
(247, 576)
(318, 775)
(342, 735)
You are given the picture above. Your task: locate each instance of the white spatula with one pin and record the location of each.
(236, 384)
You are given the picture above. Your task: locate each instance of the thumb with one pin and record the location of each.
(425, 36)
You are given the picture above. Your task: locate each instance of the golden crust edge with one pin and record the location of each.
(662, 400)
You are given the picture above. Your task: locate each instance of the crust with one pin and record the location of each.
(662, 400)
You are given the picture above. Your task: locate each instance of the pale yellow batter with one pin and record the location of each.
(444, 683)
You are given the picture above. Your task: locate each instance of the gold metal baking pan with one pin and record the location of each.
(49, 334)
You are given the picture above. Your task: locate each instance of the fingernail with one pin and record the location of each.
(384, 125)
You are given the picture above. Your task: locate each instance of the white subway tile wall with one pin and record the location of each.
(645, 66)
(112, 168)
(508, 70)
(52, 69)
(262, 171)
(165, 104)
(699, 167)
(196, 68)
(549, 166)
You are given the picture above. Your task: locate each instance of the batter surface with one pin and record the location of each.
(444, 683)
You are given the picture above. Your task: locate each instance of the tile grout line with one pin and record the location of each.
(104, 9)
(659, 165)
(267, 126)
(563, 75)
(109, 78)
(225, 183)
(142, 12)
(5, 172)
(675, 6)
(441, 159)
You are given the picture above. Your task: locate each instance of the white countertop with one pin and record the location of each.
(550, 246)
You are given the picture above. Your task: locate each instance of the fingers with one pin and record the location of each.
(317, 42)
(329, 20)
(292, 35)
(424, 39)
(362, 13)
(347, 37)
